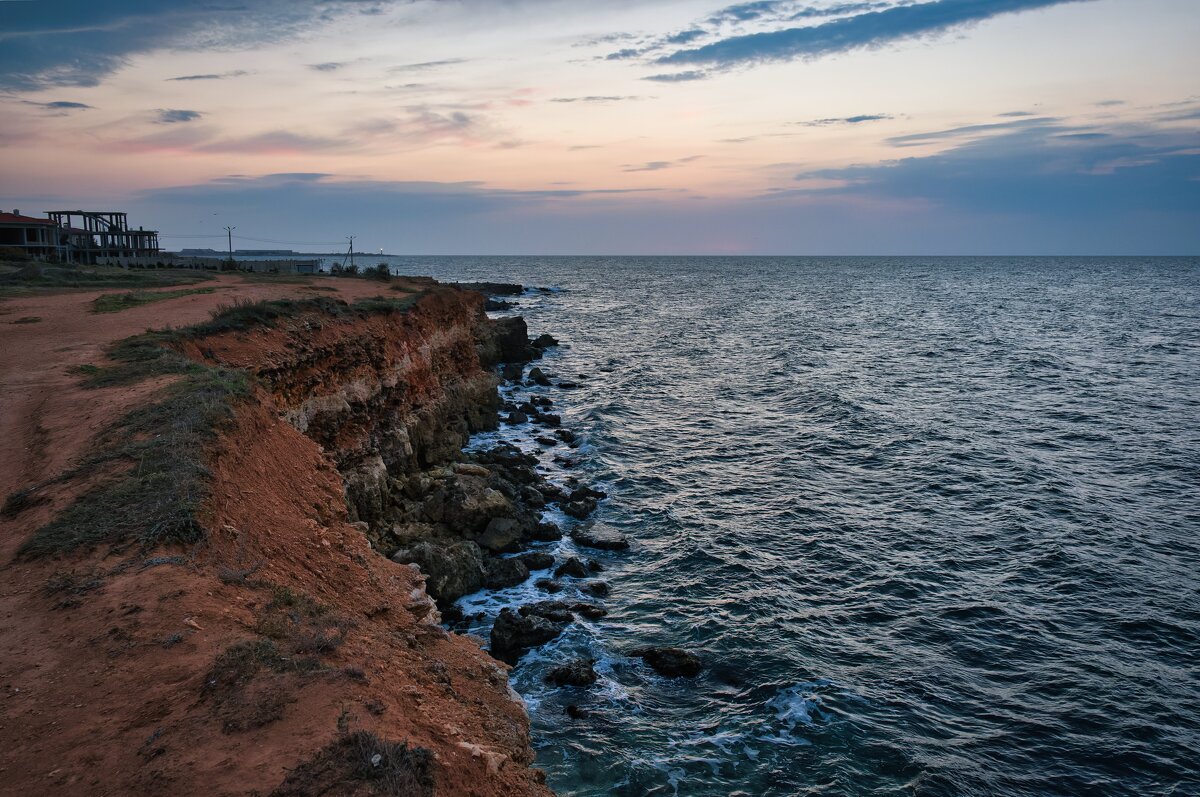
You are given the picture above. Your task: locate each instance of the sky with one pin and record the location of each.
(780, 127)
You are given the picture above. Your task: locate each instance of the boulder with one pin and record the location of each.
(537, 560)
(579, 509)
(568, 385)
(579, 672)
(557, 611)
(573, 567)
(470, 469)
(499, 573)
(671, 662)
(546, 441)
(512, 372)
(513, 634)
(452, 569)
(533, 497)
(595, 566)
(589, 610)
(603, 538)
(543, 341)
(368, 490)
(598, 588)
(543, 532)
(548, 584)
(546, 419)
(567, 436)
(468, 505)
(538, 377)
(577, 713)
(541, 401)
(516, 417)
(501, 535)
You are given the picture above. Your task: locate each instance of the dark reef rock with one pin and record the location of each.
(671, 662)
(600, 537)
(564, 385)
(567, 436)
(537, 560)
(493, 288)
(516, 417)
(598, 588)
(589, 610)
(512, 371)
(579, 672)
(573, 567)
(579, 509)
(538, 377)
(556, 611)
(577, 713)
(493, 305)
(500, 573)
(543, 341)
(546, 441)
(544, 532)
(452, 569)
(548, 584)
(513, 634)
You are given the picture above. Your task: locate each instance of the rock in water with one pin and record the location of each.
(671, 662)
(573, 567)
(500, 573)
(589, 610)
(601, 537)
(543, 341)
(537, 560)
(538, 377)
(598, 588)
(576, 673)
(514, 634)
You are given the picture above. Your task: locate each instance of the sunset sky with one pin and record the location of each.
(536, 126)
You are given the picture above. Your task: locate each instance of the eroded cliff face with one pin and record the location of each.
(313, 491)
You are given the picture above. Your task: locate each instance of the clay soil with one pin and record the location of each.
(237, 666)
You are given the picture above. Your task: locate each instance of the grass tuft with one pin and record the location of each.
(116, 302)
(386, 768)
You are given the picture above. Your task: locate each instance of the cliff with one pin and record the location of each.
(280, 650)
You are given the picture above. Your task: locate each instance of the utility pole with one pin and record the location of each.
(229, 232)
(351, 252)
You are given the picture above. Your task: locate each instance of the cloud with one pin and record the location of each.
(213, 76)
(654, 166)
(917, 139)
(871, 28)
(677, 77)
(1016, 114)
(83, 42)
(1042, 168)
(61, 107)
(848, 120)
(169, 116)
(423, 65)
(328, 66)
(594, 98)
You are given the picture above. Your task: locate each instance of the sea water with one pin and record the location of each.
(933, 524)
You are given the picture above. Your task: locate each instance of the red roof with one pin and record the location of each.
(12, 218)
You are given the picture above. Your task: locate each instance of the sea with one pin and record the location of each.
(932, 524)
